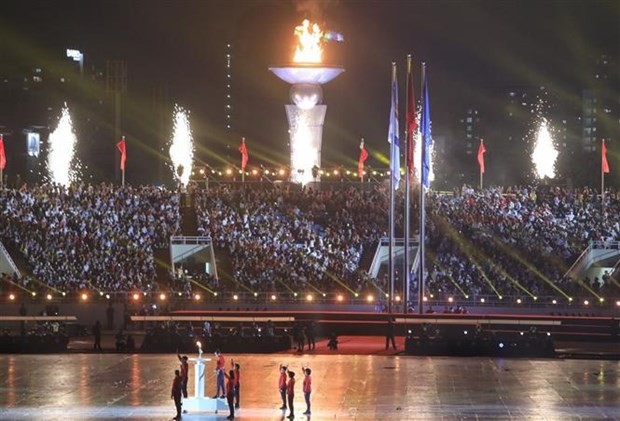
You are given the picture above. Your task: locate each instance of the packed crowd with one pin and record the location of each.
(281, 239)
(86, 237)
(513, 241)
(506, 241)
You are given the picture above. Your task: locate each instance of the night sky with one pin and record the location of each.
(472, 49)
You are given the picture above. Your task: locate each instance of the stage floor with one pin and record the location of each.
(345, 387)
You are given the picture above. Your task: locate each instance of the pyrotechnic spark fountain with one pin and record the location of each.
(417, 153)
(181, 146)
(61, 151)
(545, 153)
(306, 117)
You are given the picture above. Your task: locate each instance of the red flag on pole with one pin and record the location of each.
(244, 153)
(363, 158)
(604, 163)
(123, 150)
(2, 154)
(481, 151)
(410, 122)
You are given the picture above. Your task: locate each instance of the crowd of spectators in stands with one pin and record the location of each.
(512, 241)
(281, 239)
(506, 241)
(89, 237)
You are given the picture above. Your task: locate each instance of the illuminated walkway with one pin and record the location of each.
(345, 387)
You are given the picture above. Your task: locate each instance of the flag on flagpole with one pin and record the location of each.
(2, 154)
(481, 151)
(393, 132)
(410, 121)
(244, 153)
(363, 158)
(604, 163)
(122, 147)
(425, 129)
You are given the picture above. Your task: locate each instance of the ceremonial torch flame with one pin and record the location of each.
(309, 48)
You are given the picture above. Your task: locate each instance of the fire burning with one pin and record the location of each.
(309, 48)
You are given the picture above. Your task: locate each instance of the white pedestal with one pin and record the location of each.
(200, 402)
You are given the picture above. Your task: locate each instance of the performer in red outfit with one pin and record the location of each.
(307, 387)
(184, 373)
(236, 367)
(220, 369)
(176, 393)
(230, 393)
(290, 393)
(282, 386)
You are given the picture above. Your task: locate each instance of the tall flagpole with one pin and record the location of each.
(422, 210)
(408, 173)
(392, 188)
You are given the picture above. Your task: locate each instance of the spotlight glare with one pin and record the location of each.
(554, 301)
(482, 300)
(11, 297)
(162, 296)
(235, 297)
(273, 298)
(48, 296)
(340, 298)
(197, 297)
(84, 296)
(586, 302)
(370, 298)
(136, 296)
(309, 297)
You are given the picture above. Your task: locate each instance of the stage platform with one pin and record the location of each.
(345, 387)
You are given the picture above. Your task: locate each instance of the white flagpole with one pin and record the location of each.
(391, 221)
(422, 210)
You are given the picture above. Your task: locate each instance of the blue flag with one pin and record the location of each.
(393, 133)
(425, 131)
